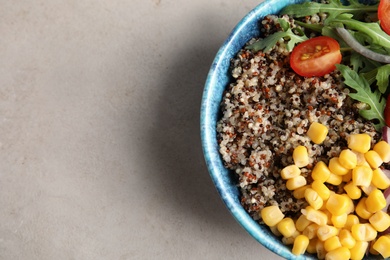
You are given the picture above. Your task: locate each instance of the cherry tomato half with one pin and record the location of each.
(384, 15)
(387, 111)
(316, 56)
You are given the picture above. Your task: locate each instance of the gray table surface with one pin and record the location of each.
(99, 131)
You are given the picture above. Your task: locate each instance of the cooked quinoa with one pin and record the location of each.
(266, 112)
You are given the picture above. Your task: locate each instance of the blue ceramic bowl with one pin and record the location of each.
(217, 80)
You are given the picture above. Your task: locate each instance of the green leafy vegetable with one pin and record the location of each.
(333, 8)
(269, 42)
(364, 94)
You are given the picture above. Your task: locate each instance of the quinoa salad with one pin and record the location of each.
(266, 111)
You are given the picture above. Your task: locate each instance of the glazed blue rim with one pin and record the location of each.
(217, 80)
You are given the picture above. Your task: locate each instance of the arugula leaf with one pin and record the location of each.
(364, 94)
(333, 8)
(382, 78)
(269, 42)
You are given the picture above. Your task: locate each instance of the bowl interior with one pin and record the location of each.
(217, 80)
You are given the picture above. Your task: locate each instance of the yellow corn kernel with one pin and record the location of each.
(346, 238)
(290, 240)
(320, 172)
(371, 248)
(275, 231)
(313, 198)
(340, 253)
(311, 230)
(332, 243)
(360, 159)
(301, 156)
(321, 252)
(363, 232)
(383, 149)
(334, 179)
(359, 250)
(337, 204)
(380, 179)
(348, 159)
(362, 176)
(359, 142)
(335, 166)
(353, 191)
(339, 221)
(271, 215)
(302, 222)
(382, 245)
(380, 221)
(352, 219)
(325, 232)
(290, 171)
(317, 132)
(368, 189)
(311, 247)
(375, 201)
(315, 216)
(351, 204)
(299, 193)
(373, 159)
(322, 190)
(286, 227)
(361, 209)
(347, 177)
(296, 182)
(301, 243)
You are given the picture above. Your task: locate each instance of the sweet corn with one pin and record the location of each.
(290, 240)
(311, 230)
(313, 198)
(301, 156)
(351, 204)
(325, 232)
(332, 243)
(311, 247)
(382, 245)
(368, 189)
(337, 204)
(301, 243)
(347, 177)
(320, 172)
(371, 248)
(373, 159)
(302, 222)
(290, 171)
(341, 253)
(348, 159)
(353, 191)
(380, 221)
(360, 159)
(321, 252)
(275, 231)
(296, 182)
(271, 215)
(362, 176)
(317, 132)
(361, 209)
(346, 238)
(315, 216)
(375, 201)
(363, 232)
(383, 149)
(359, 142)
(352, 219)
(286, 227)
(339, 221)
(380, 179)
(299, 193)
(322, 190)
(359, 250)
(335, 179)
(335, 166)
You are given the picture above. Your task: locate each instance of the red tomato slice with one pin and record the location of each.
(316, 56)
(384, 15)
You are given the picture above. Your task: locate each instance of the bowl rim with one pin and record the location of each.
(210, 102)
